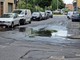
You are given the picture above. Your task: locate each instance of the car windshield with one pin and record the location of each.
(42, 13)
(7, 16)
(17, 11)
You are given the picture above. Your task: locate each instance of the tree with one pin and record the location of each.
(54, 4)
(22, 4)
(60, 4)
(44, 3)
(41, 3)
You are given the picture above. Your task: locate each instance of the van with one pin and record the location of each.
(24, 15)
(69, 14)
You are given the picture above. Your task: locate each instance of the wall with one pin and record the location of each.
(70, 6)
(78, 3)
(6, 5)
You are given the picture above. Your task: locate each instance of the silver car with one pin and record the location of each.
(9, 19)
(76, 17)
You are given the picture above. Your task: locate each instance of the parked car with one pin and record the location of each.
(43, 15)
(36, 16)
(69, 14)
(49, 12)
(9, 19)
(57, 12)
(24, 15)
(76, 17)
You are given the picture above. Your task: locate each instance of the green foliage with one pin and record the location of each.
(40, 5)
(22, 4)
(66, 9)
(60, 4)
(44, 33)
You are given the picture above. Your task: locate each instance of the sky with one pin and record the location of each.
(68, 1)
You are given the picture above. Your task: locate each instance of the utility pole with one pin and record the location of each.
(57, 4)
(27, 3)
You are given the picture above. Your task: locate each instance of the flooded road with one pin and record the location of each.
(52, 32)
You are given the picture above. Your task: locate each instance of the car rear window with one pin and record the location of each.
(17, 11)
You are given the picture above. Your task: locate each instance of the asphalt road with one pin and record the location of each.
(20, 44)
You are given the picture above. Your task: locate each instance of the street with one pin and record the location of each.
(22, 43)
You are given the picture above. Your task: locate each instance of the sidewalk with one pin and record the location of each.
(73, 29)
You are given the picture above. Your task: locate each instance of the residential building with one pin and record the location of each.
(6, 6)
(76, 4)
(69, 6)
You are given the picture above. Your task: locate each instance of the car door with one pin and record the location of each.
(16, 19)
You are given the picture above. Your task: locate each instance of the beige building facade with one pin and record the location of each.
(6, 6)
(78, 3)
(69, 6)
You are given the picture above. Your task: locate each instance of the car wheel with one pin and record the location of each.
(29, 22)
(68, 17)
(22, 22)
(51, 16)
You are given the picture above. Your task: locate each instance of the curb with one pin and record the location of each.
(74, 37)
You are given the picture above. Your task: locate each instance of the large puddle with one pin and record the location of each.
(42, 30)
(49, 31)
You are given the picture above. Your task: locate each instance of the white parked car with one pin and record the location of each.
(24, 15)
(56, 12)
(9, 19)
(43, 15)
(69, 14)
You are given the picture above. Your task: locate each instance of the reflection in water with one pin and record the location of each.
(22, 29)
(30, 31)
(60, 33)
(49, 31)
(46, 33)
(6, 29)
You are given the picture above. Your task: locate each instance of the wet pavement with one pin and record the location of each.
(29, 42)
(43, 33)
